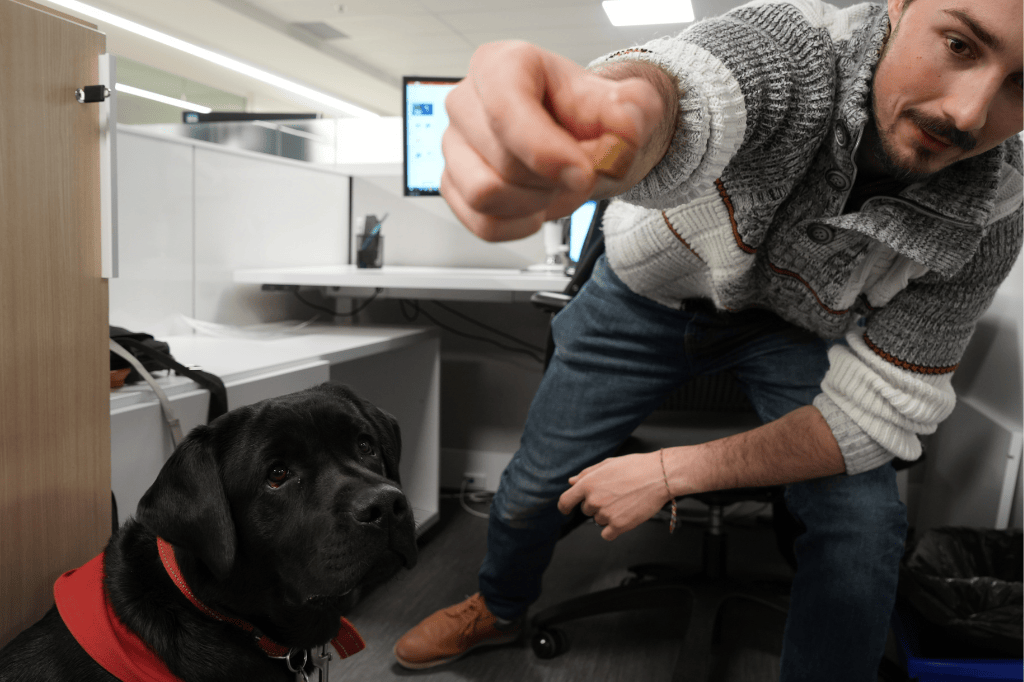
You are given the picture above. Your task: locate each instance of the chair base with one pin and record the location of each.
(658, 586)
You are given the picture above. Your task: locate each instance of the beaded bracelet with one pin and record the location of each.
(672, 521)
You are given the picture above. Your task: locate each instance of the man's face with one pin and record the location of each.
(948, 85)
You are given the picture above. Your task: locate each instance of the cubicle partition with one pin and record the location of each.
(191, 212)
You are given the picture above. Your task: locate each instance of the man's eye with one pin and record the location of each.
(957, 46)
(277, 475)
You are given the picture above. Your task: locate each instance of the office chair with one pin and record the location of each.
(652, 585)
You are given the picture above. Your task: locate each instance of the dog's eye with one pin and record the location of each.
(277, 475)
(365, 446)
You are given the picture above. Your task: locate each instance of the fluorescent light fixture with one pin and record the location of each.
(180, 103)
(640, 12)
(227, 62)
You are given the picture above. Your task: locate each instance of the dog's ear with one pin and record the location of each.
(187, 505)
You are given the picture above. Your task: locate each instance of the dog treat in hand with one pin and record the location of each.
(613, 157)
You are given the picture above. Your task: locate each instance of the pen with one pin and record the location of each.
(373, 233)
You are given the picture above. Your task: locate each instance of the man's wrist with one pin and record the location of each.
(668, 88)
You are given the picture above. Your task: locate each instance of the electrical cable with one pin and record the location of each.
(462, 501)
(351, 313)
(469, 319)
(419, 311)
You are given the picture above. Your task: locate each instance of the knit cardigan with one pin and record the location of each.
(746, 210)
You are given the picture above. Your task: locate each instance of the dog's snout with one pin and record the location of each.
(386, 504)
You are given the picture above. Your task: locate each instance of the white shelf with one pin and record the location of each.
(236, 360)
(409, 277)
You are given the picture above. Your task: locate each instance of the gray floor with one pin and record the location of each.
(629, 647)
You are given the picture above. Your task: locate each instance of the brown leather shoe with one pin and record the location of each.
(449, 633)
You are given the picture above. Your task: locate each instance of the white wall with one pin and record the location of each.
(254, 211)
(424, 231)
(155, 234)
(191, 212)
(972, 475)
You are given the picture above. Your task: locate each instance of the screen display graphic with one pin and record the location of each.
(425, 120)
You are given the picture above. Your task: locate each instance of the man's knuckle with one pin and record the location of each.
(485, 193)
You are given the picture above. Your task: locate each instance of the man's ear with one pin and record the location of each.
(187, 505)
(895, 8)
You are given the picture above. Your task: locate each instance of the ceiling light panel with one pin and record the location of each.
(646, 12)
(321, 98)
(156, 97)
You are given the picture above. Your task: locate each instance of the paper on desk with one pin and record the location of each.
(265, 330)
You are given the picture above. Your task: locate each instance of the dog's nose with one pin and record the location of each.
(385, 505)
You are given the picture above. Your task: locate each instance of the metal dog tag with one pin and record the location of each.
(322, 661)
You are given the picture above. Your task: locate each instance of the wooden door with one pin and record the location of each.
(54, 381)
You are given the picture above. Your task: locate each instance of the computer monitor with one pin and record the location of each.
(580, 222)
(424, 121)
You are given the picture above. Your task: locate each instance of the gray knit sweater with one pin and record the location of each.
(746, 210)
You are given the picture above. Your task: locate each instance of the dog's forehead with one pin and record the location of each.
(310, 410)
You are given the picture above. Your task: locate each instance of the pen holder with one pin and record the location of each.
(369, 250)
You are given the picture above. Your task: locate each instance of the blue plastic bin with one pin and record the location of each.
(946, 669)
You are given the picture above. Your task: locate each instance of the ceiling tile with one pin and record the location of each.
(524, 18)
(317, 10)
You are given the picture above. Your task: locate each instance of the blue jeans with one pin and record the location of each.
(617, 356)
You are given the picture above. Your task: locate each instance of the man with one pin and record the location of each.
(823, 201)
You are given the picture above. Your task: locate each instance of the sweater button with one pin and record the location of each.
(842, 137)
(837, 180)
(821, 234)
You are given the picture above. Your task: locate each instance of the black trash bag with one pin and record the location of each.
(964, 585)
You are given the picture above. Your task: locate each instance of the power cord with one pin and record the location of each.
(480, 324)
(475, 497)
(415, 305)
(351, 313)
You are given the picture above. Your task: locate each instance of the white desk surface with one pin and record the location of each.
(409, 277)
(238, 359)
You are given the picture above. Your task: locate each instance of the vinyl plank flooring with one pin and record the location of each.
(637, 646)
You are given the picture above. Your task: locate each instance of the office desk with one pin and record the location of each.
(396, 368)
(413, 282)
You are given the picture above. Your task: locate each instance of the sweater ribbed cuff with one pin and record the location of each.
(712, 123)
(860, 452)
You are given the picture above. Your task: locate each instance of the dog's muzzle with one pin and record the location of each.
(387, 508)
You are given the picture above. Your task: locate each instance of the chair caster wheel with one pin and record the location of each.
(549, 643)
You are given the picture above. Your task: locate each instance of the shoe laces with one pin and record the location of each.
(475, 607)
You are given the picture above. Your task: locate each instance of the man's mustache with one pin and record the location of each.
(943, 130)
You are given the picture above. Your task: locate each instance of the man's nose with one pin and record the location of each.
(970, 99)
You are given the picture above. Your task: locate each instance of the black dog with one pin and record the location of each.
(277, 513)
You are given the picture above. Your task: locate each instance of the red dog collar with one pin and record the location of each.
(83, 605)
(346, 642)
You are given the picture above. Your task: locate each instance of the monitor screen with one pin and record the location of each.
(579, 227)
(425, 120)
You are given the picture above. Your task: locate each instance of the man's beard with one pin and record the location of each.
(884, 149)
(903, 168)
